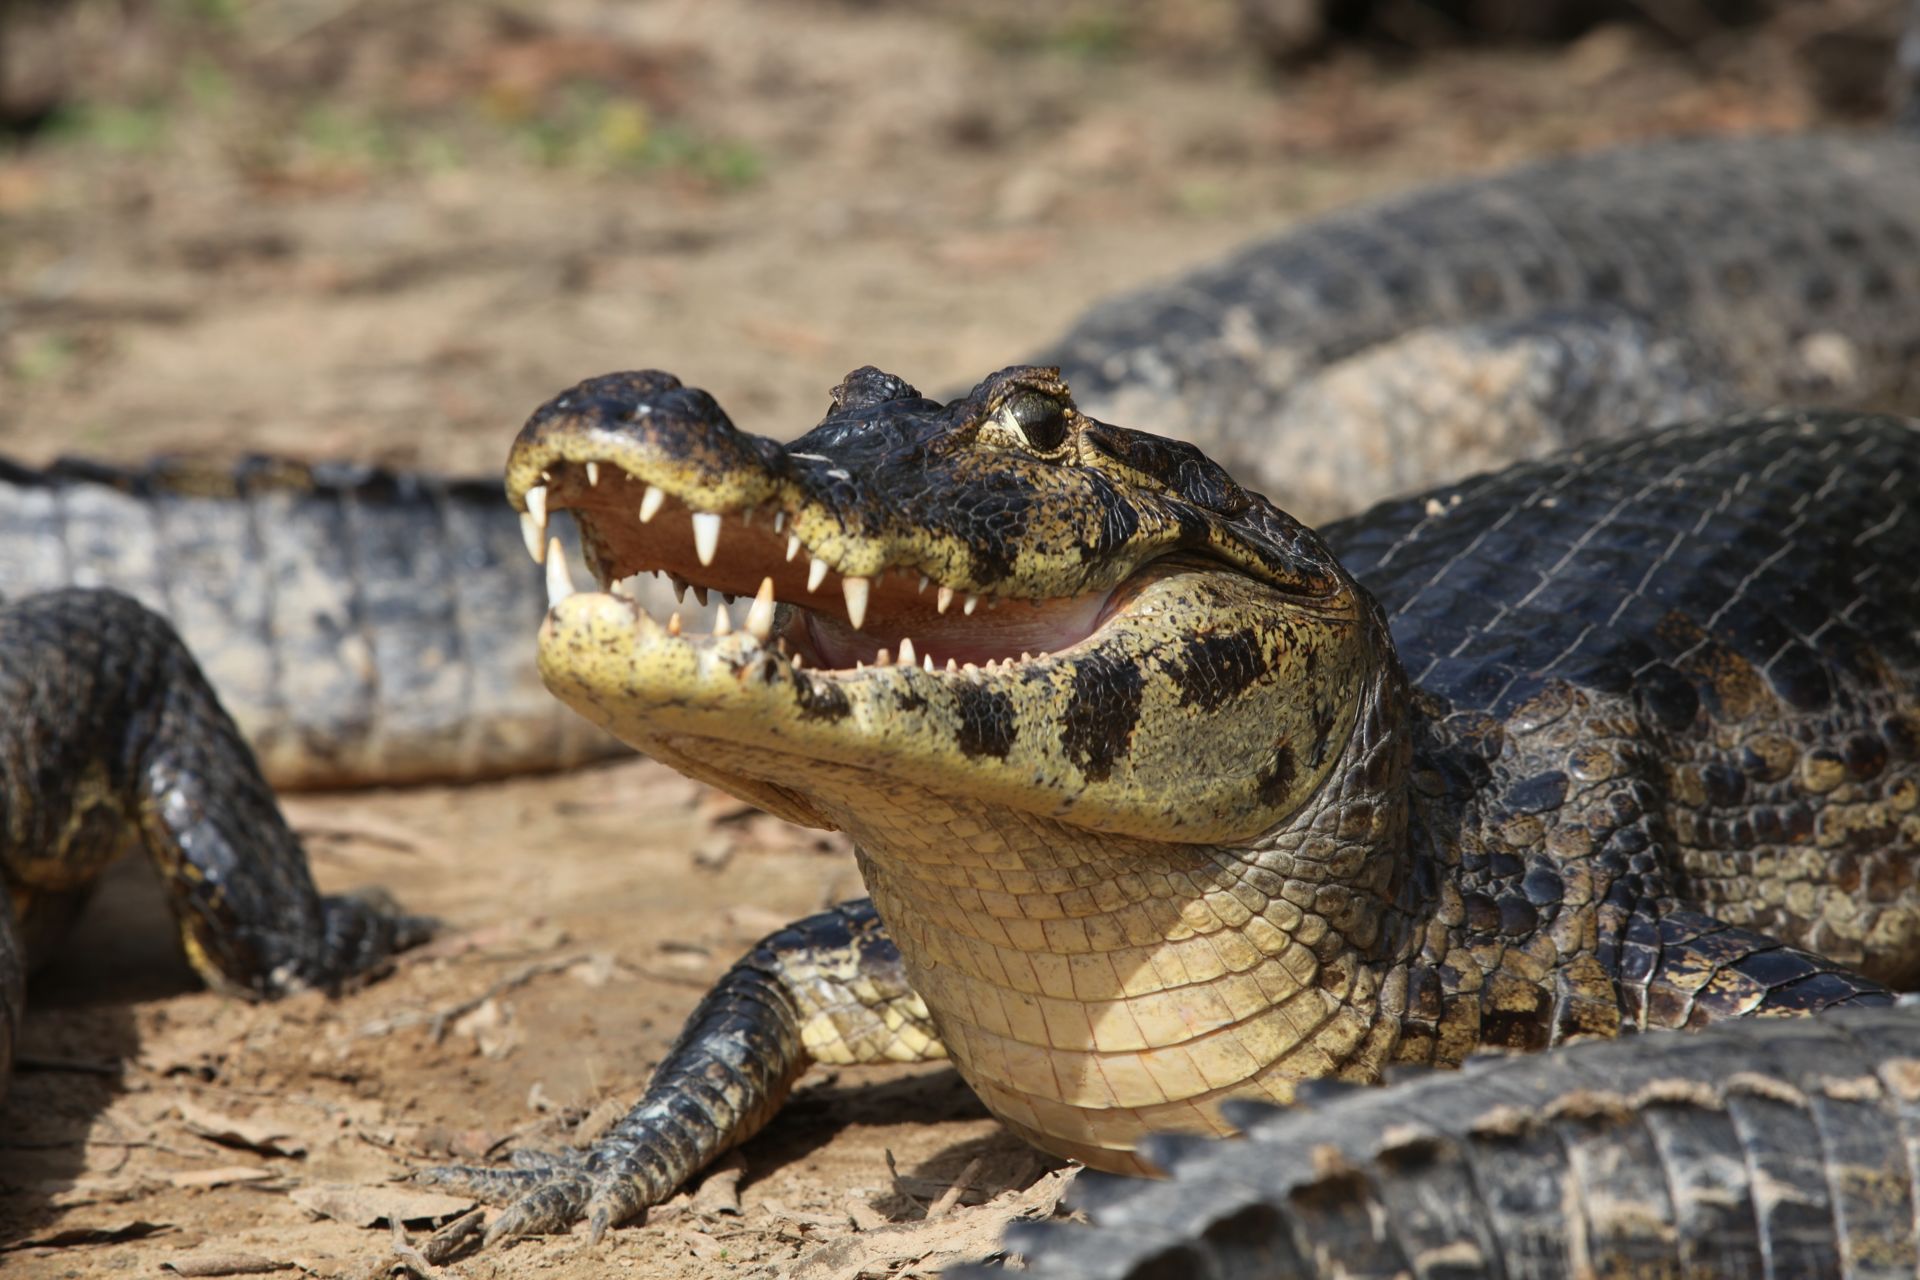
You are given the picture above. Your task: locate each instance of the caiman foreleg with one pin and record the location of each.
(829, 988)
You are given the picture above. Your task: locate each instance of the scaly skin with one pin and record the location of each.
(111, 739)
(362, 626)
(1759, 1148)
(1206, 839)
(1467, 325)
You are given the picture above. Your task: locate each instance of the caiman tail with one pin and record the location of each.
(361, 625)
(1771, 1147)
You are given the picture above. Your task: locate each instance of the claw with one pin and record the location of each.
(493, 1186)
(547, 1192)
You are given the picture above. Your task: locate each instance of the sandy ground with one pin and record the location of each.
(388, 231)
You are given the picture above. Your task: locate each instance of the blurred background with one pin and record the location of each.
(389, 228)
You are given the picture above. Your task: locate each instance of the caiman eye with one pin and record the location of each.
(1042, 419)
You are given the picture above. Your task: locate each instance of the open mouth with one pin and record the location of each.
(989, 600)
(751, 572)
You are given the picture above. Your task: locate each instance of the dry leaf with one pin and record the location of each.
(255, 1133)
(719, 1191)
(961, 1235)
(201, 1179)
(370, 1206)
(116, 1233)
(224, 1264)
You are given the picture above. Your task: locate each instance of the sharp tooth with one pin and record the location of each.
(700, 594)
(797, 664)
(780, 522)
(906, 651)
(968, 605)
(883, 658)
(534, 534)
(679, 588)
(537, 505)
(706, 535)
(760, 615)
(1024, 655)
(856, 590)
(722, 622)
(651, 501)
(816, 573)
(793, 546)
(944, 600)
(559, 582)
(673, 624)
(951, 664)
(593, 473)
(924, 580)
(746, 518)
(928, 662)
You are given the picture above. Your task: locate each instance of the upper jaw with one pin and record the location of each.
(661, 483)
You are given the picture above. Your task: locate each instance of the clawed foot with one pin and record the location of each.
(545, 1193)
(364, 930)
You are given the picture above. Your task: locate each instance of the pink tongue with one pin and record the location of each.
(1006, 632)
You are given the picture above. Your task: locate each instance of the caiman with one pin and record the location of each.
(111, 739)
(1759, 1148)
(1165, 800)
(362, 626)
(1401, 344)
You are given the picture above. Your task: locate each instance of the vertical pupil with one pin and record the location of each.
(1042, 421)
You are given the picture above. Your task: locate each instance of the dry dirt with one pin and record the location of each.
(388, 231)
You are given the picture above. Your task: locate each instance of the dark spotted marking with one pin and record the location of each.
(1322, 730)
(1115, 525)
(1213, 668)
(1102, 710)
(1277, 779)
(986, 722)
(820, 699)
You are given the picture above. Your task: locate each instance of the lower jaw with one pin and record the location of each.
(1009, 631)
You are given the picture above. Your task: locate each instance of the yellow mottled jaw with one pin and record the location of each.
(992, 730)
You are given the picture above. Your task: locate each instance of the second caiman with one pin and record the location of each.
(1165, 800)
(362, 626)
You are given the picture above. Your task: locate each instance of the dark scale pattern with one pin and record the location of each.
(1385, 346)
(361, 625)
(1102, 709)
(1214, 668)
(1758, 1148)
(986, 725)
(110, 739)
(1666, 677)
